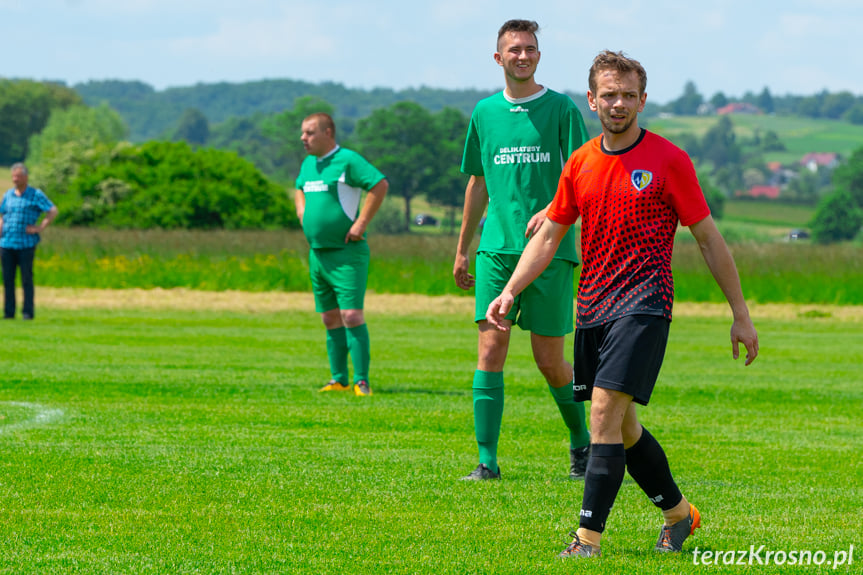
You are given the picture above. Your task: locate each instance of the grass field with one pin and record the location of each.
(800, 135)
(152, 439)
(418, 263)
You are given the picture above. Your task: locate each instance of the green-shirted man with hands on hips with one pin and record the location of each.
(517, 144)
(328, 193)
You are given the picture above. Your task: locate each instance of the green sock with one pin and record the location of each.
(487, 414)
(337, 351)
(360, 348)
(573, 415)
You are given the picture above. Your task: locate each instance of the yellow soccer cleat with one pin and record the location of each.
(362, 389)
(334, 385)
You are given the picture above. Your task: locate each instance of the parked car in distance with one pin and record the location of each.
(798, 234)
(425, 220)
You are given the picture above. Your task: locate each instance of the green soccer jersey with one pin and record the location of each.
(520, 147)
(333, 186)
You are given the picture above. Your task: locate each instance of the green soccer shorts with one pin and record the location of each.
(544, 307)
(339, 276)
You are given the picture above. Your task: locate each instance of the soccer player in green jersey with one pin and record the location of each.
(329, 188)
(517, 143)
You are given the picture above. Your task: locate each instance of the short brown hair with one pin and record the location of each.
(620, 62)
(324, 120)
(518, 26)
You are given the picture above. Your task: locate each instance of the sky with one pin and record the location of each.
(798, 47)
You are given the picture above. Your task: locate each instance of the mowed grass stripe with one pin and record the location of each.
(196, 442)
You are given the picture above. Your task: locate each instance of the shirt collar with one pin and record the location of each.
(330, 153)
(526, 99)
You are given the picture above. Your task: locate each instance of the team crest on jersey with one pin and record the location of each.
(641, 179)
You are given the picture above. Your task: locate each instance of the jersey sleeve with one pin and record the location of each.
(301, 180)
(685, 194)
(362, 174)
(573, 131)
(471, 162)
(564, 208)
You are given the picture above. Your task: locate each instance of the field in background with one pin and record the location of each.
(800, 135)
(743, 220)
(195, 441)
(772, 271)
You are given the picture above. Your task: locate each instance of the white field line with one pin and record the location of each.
(41, 416)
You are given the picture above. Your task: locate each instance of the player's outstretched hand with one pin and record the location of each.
(463, 279)
(497, 311)
(742, 331)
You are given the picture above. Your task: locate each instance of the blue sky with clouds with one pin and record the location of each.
(793, 46)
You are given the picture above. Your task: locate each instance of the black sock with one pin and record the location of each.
(602, 480)
(648, 466)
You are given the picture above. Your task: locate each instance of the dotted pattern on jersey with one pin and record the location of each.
(627, 241)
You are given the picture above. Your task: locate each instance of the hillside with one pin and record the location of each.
(800, 135)
(150, 113)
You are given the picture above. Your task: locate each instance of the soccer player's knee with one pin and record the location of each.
(353, 317)
(553, 368)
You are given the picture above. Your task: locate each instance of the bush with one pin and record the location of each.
(714, 196)
(170, 186)
(837, 218)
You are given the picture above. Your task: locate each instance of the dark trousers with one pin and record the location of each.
(12, 259)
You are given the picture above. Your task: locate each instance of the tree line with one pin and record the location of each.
(843, 106)
(82, 156)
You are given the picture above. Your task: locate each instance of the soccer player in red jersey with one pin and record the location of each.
(630, 188)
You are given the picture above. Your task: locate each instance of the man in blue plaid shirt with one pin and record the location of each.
(19, 235)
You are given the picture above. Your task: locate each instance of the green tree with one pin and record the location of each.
(68, 140)
(854, 115)
(718, 100)
(714, 196)
(811, 106)
(719, 145)
(765, 101)
(246, 137)
(837, 218)
(689, 142)
(402, 141)
(803, 188)
(80, 126)
(448, 188)
(193, 127)
(687, 104)
(729, 178)
(835, 105)
(849, 176)
(772, 143)
(25, 107)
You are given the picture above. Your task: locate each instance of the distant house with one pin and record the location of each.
(765, 192)
(816, 160)
(738, 108)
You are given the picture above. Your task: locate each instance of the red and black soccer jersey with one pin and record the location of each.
(630, 203)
